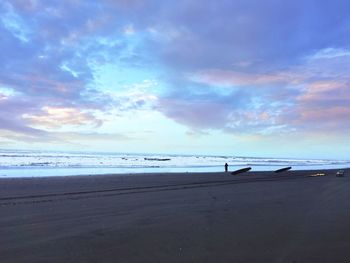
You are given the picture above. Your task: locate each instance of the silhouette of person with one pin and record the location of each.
(226, 167)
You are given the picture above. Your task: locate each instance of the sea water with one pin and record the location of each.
(18, 163)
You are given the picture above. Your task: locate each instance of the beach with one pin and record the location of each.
(176, 217)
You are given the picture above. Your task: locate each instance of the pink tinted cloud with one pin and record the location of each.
(316, 92)
(324, 105)
(330, 115)
(334, 120)
(56, 117)
(325, 92)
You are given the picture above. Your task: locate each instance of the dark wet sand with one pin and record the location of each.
(255, 217)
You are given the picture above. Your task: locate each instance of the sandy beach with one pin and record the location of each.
(188, 217)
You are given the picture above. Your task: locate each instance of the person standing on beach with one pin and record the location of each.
(226, 167)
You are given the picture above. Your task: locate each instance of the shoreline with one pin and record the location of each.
(71, 172)
(181, 217)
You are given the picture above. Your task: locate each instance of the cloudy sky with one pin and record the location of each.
(237, 77)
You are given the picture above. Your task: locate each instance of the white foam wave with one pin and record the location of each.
(12, 159)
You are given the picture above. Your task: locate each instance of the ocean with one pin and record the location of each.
(19, 163)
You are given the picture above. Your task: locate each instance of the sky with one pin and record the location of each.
(226, 77)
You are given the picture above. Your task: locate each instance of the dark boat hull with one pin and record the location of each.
(243, 170)
(283, 169)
